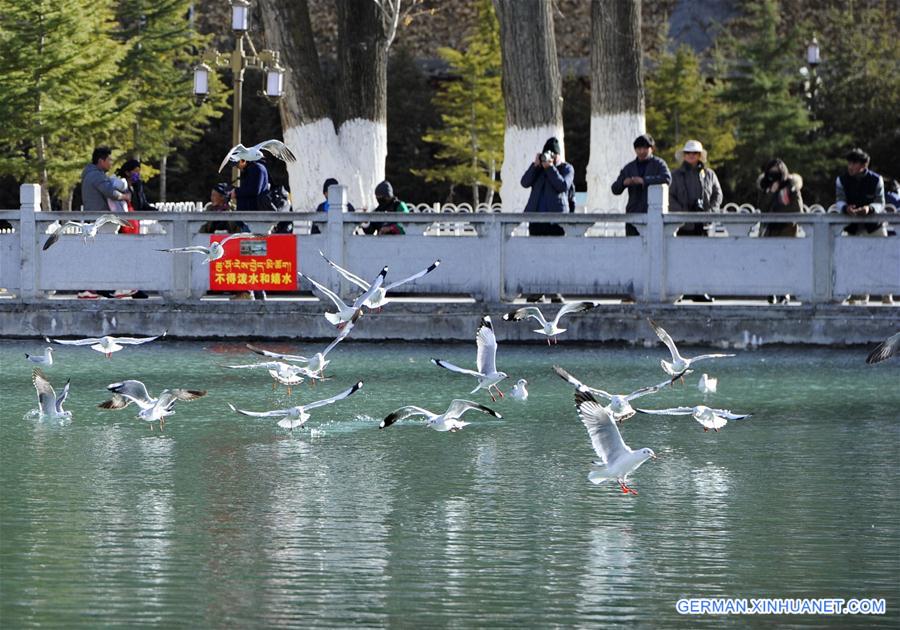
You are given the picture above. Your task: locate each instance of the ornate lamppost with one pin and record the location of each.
(809, 71)
(239, 60)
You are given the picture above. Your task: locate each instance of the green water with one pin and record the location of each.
(228, 521)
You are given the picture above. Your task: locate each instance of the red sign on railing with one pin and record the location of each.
(267, 263)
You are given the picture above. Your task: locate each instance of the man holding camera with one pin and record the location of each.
(647, 170)
(549, 178)
(695, 187)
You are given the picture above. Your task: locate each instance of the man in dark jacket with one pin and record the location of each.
(646, 170)
(254, 185)
(387, 202)
(96, 186)
(860, 192)
(695, 187)
(549, 178)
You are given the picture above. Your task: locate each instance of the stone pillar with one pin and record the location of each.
(29, 263)
(334, 235)
(654, 237)
(823, 234)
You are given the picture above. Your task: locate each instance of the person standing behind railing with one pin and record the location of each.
(695, 187)
(323, 207)
(779, 191)
(647, 170)
(549, 178)
(387, 202)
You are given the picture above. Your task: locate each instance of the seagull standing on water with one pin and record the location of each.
(49, 404)
(378, 298)
(45, 359)
(88, 229)
(447, 421)
(551, 329)
(617, 461)
(215, 250)
(297, 416)
(518, 392)
(713, 419)
(679, 364)
(707, 384)
(485, 360)
(619, 408)
(107, 344)
(255, 153)
(152, 409)
(345, 312)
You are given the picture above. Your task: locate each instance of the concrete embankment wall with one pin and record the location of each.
(717, 324)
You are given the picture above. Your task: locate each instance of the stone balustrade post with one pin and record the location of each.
(654, 238)
(823, 234)
(29, 262)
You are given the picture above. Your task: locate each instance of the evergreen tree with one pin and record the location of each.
(472, 112)
(58, 94)
(771, 115)
(157, 73)
(683, 104)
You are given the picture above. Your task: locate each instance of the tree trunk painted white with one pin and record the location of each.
(532, 91)
(617, 97)
(519, 148)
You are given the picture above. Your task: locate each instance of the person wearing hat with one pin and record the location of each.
(219, 198)
(646, 170)
(695, 187)
(387, 202)
(550, 179)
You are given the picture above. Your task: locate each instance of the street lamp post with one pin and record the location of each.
(239, 60)
(812, 62)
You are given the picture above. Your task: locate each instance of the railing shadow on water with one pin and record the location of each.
(485, 254)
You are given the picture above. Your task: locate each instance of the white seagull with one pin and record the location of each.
(679, 364)
(713, 419)
(888, 348)
(707, 384)
(345, 312)
(518, 392)
(297, 416)
(619, 408)
(50, 405)
(252, 154)
(379, 297)
(281, 372)
(107, 344)
(88, 229)
(42, 359)
(617, 461)
(485, 360)
(152, 409)
(551, 329)
(215, 250)
(315, 365)
(447, 421)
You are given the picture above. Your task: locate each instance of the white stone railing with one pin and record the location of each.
(489, 260)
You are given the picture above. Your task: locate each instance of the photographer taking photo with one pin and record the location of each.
(549, 178)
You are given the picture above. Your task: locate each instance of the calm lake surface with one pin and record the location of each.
(227, 521)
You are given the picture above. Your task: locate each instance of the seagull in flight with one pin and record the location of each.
(619, 408)
(485, 360)
(518, 392)
(617, 461)
(379, 297)
(88, 229)
(42, 359)
(315, 365)
(447, 421)
(297, 416)
(888, 348)
(285, 373)
(345, 312)
(50, 405)
(713, 419)
(679, 365)
(108, 343)
(152, 409)
(551, 329)
(252, 154)
(215, 250)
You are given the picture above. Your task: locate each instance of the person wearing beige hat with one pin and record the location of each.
(695, 187)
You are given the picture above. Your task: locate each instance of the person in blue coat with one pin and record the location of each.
(254, 186)
(549, 178)
(646, 170)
